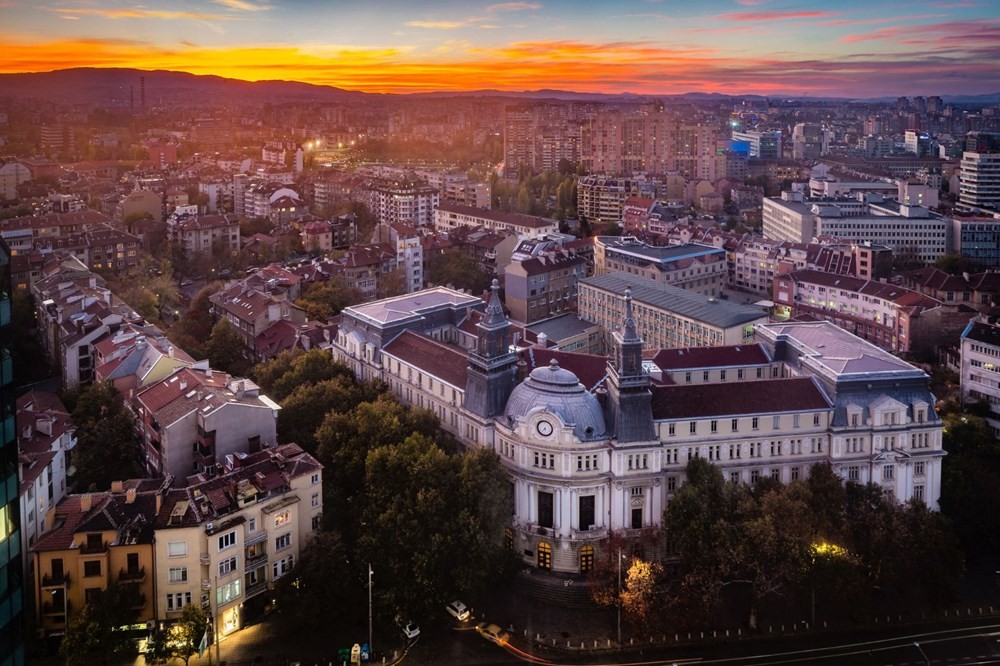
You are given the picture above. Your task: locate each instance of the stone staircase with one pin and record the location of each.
(555, 591)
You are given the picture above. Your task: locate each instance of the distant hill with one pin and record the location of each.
(89, 85)
(95, 85)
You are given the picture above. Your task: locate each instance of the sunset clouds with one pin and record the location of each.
(751, 46)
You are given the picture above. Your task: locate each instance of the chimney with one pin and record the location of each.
(116, 486)
(543, 340)
(208, 373)
(84, 503)
(170, 351)
(159, 502)
(130, 496)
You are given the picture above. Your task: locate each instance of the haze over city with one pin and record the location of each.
(846, 49)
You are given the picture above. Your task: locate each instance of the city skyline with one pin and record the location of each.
(853, 49)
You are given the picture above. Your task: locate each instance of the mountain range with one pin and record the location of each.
(87, 85)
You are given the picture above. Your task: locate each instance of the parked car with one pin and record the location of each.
(409, 628)
(458, 610)
(493, 633)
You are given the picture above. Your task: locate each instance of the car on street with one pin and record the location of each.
(409, 628)
(458, 610)
(493, 633)
(187, 283)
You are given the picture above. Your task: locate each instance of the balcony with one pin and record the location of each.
(137, 602)
(256, 588)
(55, 580)
(94, 548)
(205, 559)
(56, 608)
(255, 560)
(132, 575)
(206, 583)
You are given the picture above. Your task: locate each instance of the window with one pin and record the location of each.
(315, 500)
(888, 472)
(739, 374)
(544, 509)
(314, 479)
(282, 542)
(854, 419)
(586, 507)
(317, 521)
(918, 469)
(918, 493)
(687, 377)
(92, 568)
(734, 477)
(282, 518)
(754, 476)
(671, 484)
(177, 549)
(227, 540)
(178, 600)
(734, 425)
(671, 430)
(693, 427)
(815, 419)
(714, 426)
(178, 574)
(795, 473)
(227, 566)
(775, 422)
(795, 420)
(252, 525)
(704, 376)
(226, 593)
(282, 566)
(755, 423)
(722, 375)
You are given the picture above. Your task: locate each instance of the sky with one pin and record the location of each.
(848, 48)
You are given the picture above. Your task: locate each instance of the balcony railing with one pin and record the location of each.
(206, 583)
(56, 608)
(259, 558)
(91, 548)
(205, 559)
(132, 575)
(55, 580)
(256, 588)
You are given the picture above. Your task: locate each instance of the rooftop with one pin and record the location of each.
(715, 312)
(660, 254)
(391, 310)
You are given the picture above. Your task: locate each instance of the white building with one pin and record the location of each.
(980, 373)
(450, 216)
(593, 446)
(979, 181)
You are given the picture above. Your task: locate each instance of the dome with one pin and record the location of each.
(559, 392)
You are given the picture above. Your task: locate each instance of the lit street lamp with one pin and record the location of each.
(371, 649)
(619, 604)
(922, 653)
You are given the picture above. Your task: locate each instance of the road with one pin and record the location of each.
(941, 645)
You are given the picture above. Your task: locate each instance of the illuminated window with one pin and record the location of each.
(282, 518)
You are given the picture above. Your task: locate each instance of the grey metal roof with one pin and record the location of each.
(840, 351)
(561, 327)
(390, 310)
(661, 253)
(715, 312)
(558, 392)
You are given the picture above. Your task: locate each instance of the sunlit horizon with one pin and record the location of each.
(642, 47)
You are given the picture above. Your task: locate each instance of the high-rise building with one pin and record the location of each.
(518, 139)
(809, 141)
(979, 180)
(11, 569)
(763, 145)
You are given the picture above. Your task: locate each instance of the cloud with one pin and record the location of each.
(884, 19)
(776, 16)
(752, 3)
(446, 25)
(513, 7)
(961, 4)
(133, 13)
(243, 5)
(587, 66)
(950, 34)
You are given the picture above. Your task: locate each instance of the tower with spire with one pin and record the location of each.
(630, 400)
(492, 366)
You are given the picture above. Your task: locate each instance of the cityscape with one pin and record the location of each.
(489, 333)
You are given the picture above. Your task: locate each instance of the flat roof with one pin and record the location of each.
(561, 327)
(662, 254)
(713, 311)
(390, 310)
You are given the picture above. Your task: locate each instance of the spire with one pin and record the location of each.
(494, 316)
(629, 334)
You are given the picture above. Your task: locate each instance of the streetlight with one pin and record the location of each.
(922, 653)
(371, 650)
(619, 604)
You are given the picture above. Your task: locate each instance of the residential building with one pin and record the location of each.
(223, 542)
(251, 307)
(667, 316)
(409, 252)
(518, 140)
(409, 202)
(205, 234)
(601, 199)
(977, 290)
(317, 237)
(888, 315)
(11, 553)
(91, 542)
(979, 181)
(691, 266)
(543, 284)
(451, 216)
(12, 174)
(191, 420)
(979, 376)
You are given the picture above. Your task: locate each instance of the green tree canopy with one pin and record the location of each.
(106, 449)
(458, 269)
(323, 300)
(95, 634)
(291, 369)
(225, 349)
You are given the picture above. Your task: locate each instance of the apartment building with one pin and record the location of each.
(409, 202)
(601, 199)
(223, 542)
(191, 420)
(667, 316)
(979, 181)
(252, 307)
(205, 234)
(409, 251)
(695, 267)
(541, 286)
(890, 316)
(450, 216)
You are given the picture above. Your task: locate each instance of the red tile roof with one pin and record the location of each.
(684, 401)
(446, 362)
(708, 357)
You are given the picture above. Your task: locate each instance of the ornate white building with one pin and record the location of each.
(597, 445)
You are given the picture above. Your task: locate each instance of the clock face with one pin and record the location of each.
(544, 428)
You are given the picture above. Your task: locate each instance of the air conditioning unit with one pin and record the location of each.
(591, 527)
(209, 527)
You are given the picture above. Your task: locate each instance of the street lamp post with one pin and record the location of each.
(619, 600)
(922, 653)
(371, 649)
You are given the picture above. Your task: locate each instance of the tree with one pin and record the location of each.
(392, 284)
(225, 349)
(459, 270)
(105, 449)
(323, 300)
(186, 634)
(290, 369)
(96, 633)
(195, 325)
(256, 225)
(639, 595)
(302, 412)
(322, 578)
